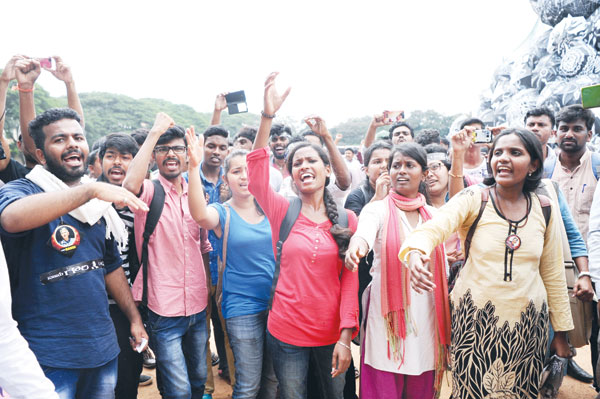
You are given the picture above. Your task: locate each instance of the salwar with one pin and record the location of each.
(377, 384)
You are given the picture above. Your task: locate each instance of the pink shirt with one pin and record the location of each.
(176, 277)
(312, 304)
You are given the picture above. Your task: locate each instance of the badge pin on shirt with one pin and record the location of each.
(65, 239)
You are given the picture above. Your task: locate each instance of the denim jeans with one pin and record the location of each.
(291, 368)
(96, 383)
(254, 374)
(179, 344)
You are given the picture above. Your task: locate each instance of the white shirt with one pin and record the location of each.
(20, 374)
(593, 241)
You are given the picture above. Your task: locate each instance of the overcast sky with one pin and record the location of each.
(343, 59)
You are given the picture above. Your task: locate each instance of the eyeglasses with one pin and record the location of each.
(164, 149)
(434, 166)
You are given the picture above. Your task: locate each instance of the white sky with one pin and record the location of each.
(343, 59)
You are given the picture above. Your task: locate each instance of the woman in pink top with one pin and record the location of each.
(314, 313)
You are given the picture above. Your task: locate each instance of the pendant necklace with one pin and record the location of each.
(513, 241)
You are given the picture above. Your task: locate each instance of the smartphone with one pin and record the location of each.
(590, 96)
(483, 136)
(393, 116)
(46, 62)
(236, 102)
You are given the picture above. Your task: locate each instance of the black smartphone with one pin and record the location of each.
(590, 96)
(236, 102)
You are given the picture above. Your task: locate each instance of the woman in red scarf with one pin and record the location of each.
(411, 329)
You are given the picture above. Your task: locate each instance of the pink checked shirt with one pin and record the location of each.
(176, 277)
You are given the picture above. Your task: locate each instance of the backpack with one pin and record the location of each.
(456, 267)
(549, 168)
(155, 210)
(287, 223)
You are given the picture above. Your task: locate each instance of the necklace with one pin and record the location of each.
(513, 241)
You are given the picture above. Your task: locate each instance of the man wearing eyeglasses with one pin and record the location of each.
(177, 291)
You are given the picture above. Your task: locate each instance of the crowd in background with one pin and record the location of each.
(432, 254)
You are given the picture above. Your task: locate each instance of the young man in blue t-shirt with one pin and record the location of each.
(59, 288)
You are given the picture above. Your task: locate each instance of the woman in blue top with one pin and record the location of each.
(248, 272)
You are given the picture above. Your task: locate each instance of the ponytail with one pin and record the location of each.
(340, 234)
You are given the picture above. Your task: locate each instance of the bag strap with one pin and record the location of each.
(287, 223)
(485, 195)
(223, 262)
(156, 208)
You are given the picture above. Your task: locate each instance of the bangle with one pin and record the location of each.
(584, 274)
(2, 116)
(264, 114)
(24, 90)
(344, 345)
(453, 175)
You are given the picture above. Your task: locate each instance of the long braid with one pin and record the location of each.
(340, 235)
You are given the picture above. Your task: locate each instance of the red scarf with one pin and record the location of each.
(395, 283)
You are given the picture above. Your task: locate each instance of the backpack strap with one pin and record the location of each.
(156, 208)
(485, 195)
(223, 261)
(287, 223)
(546, 204)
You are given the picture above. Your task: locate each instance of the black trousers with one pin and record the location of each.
(219, 336)
(130, 362)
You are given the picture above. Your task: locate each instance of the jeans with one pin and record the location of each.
(254, 374)
(179, 345)
(96, 383)
(130, 362)
(291, 367)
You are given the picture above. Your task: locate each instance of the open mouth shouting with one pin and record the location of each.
(172, 164)
(73, 159)
(116, 173)
(307, 177)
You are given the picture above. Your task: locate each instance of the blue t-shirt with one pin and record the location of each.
(250, 265)
(65, 320)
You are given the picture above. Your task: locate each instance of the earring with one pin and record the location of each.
(529, 174)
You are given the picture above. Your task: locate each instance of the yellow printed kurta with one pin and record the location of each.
(500, 313)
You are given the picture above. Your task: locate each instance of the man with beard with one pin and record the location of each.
(59, 295)
(278, 142)
(176, 282)
(26, 71)
(116, 153)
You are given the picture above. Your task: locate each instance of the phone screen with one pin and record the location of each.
(46, 62)
(590, 96)
(236, 102)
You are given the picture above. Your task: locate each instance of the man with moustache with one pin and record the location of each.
(116, 153)
(278, 142)
(59, 295)
(176, 282)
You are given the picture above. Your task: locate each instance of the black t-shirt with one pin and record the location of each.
(14, 170)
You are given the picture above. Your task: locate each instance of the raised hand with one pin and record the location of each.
(27, 71)
(379, 121)
(382, 186)
(462, 140)
(318, 126)
(62, 71)
(272, 99)
(10, 72)
(195, 148)
(162, 123)
(221, 102)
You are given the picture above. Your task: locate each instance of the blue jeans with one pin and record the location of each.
(179, 344)
(254, 374)
(96, 383)
(291, 367)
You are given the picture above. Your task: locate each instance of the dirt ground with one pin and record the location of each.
(571, 389)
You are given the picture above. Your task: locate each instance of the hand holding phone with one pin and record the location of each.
(46, 63)
(236, 102)
(392, 116)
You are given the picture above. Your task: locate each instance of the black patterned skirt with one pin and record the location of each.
(492, 361)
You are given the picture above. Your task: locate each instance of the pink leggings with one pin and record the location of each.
(377, 384)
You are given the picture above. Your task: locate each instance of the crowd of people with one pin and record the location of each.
(432, 256)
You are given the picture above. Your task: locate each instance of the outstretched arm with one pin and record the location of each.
(36, 210)
(136, 173)
(377, 121)
(8, 74)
